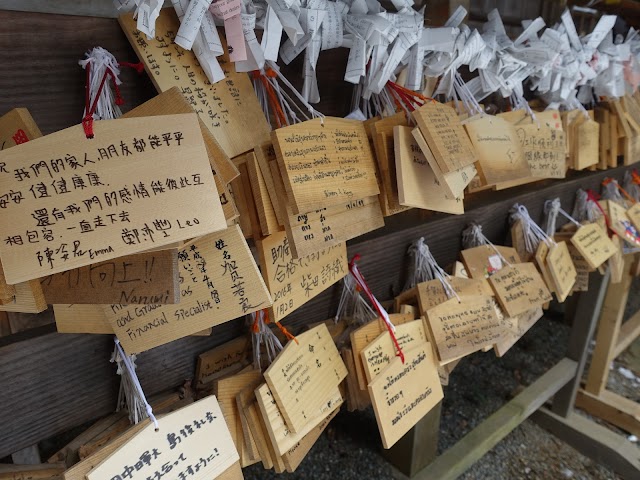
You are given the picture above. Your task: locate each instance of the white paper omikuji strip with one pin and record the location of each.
(559, 65)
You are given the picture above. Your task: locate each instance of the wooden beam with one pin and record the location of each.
(595, 441)
(584, 324)
(608, 327)
(629, 331)
(613, 408)
(455, 461)
(419, 446)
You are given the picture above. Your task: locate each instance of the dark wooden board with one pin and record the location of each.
(54, 382)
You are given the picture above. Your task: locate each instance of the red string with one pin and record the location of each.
(138, 67)
(375, 303)
(87, 121)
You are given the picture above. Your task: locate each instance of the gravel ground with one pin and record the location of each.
(480, 384)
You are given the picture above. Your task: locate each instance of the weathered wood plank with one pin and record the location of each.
(613, 408)
(455, 461)
(35, 369)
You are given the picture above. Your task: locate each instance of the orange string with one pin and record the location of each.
(607, 181)
(282, 328)
(281, 118)
(635, 177)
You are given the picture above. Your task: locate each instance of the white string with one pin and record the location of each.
(419, 269)
(264, 336)
(379, 308)
(533, 234)
(314, 113)
(472, 106)
(136, 383)
(472, 237)
(439, 274)
(555, 207)
(101, 61)
(519, 103)
(352, 308)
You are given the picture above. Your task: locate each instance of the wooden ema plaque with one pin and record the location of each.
(172, 102)
(485, 260)
(500, 154)
(313, 231)
(523, 323)
(282, 438)
(229, 108)
(143, 278)
(325, 162)
(18, 127)
(432, 293)
(219, 281)
(454, 182)
(441, 128)
(79, 318)
(303, 376)
(519, 288)
(381, 132)
(194, 438)
(404, 393)
(378, 354)
(593, 244)
(462, 326)
(562, 271)
(89, 200)
(292, 283)
(543, 149)
(619, 222)
(417, 184)
(364, 335)
(215, 363)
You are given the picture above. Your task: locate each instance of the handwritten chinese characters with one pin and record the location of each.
(293, 282)
(74, 201)
(229, 108)
(303, 376)
(143, 278)
(544, 150)
(219, 281)
(325, 162)
(192, 443)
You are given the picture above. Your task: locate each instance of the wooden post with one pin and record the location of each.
(584, 324)
(607, 336)
(419, 446)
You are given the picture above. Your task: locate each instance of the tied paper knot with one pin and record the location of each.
(131, 382)
(419, 268)
(532, 232)
(472, 237)
(552, 208)
(353, 268)
(612, 191)
(592, 200)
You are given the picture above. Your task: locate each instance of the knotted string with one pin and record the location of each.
(472, 236)
(353, 268)
(129, 377)
(419, 268)
(552, 208)
(532, 232)
(593, 200)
